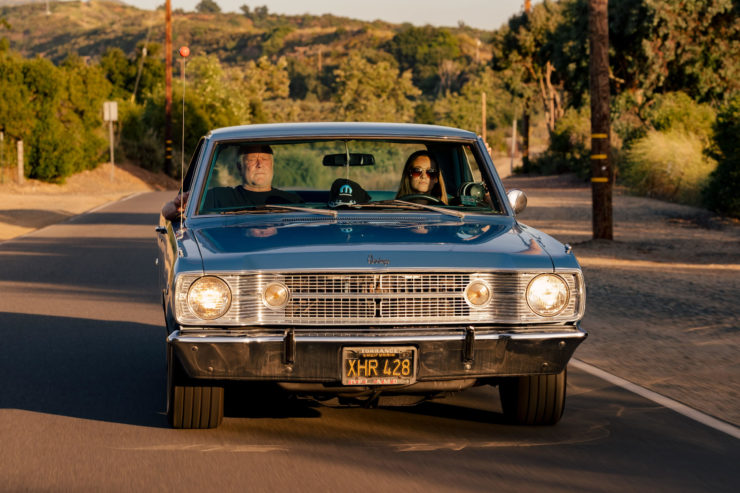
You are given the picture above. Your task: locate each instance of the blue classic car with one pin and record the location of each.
(360, 262)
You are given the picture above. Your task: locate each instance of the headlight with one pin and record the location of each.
(275, 295)
(478, 293)
(209, 297)
(547, 295)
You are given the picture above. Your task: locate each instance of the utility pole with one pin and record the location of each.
(168, 90)
(525, 116)
(601, 175)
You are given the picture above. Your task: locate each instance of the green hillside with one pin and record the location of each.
(88, 29)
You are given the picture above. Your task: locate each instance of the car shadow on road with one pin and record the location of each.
(83, 368)
(442, 409)
(116, 219)
(265, 400)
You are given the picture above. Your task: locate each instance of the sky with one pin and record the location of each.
(481, 14)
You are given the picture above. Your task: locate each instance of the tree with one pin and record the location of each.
(422, 50)
(266, 80)
(274, 40)
(217, 92)
(263, 80)
(526, 51)
(694, 46)
(656, 46)
(373, 92)
(721, 194)
(462, 109)
(207, 7)
(119, 70)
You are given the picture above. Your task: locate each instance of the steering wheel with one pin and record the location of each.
(411, 197)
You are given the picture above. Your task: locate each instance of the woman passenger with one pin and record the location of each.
(421, 175)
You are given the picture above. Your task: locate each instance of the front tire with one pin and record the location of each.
(190, 404)
(534, 399)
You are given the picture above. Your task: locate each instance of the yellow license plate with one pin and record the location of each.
(378, 365)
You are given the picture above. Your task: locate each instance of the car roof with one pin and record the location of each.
(351, 130)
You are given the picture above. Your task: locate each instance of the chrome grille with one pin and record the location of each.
(424, 308)
(335, 299)
(370, 283)
(330, 309)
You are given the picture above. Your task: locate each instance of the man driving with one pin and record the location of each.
(255, 165)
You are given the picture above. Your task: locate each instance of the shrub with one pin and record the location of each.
(722, 191)
(677, 111)
(66, 136)
(569, 149)
(141, 141)
(142, 131)
(669, 165)
(627, 125)
(51, 156)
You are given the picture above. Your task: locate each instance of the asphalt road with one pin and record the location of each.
(82, 395)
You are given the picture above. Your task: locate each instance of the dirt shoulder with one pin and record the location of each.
(33, 205)
(662, 298)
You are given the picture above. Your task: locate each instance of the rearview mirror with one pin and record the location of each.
(355, 159)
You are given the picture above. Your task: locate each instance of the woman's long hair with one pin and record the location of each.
(438, 190)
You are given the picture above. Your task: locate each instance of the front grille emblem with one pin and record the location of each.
(374, 261)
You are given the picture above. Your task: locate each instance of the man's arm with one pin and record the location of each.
(175, 207)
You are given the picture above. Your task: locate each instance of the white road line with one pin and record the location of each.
(103, 206)
(664, 401)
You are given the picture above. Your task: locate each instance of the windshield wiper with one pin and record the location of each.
(270, 207)
(402, 204)
(303, 209)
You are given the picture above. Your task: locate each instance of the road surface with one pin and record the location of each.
(82, 396)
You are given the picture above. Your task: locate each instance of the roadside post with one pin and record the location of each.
(2, 156)
(110, 115)
(20, 162)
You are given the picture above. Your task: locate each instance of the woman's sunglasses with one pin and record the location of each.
(417, 172)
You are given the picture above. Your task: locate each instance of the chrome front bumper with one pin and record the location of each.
(300, 355)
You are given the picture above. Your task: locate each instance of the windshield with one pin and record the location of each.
(338, 175)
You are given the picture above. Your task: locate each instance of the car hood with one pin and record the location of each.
(359, 243)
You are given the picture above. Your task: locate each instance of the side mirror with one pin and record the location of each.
(517, 200)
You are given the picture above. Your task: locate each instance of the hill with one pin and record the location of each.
(88, 29)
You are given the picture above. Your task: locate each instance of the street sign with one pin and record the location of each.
(110, 115)
(110, 111)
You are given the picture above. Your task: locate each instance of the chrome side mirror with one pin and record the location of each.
(517, 200)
